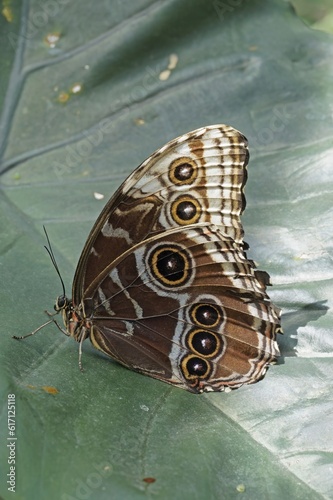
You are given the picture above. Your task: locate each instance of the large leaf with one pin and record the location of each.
(318, 14)
(86, 97)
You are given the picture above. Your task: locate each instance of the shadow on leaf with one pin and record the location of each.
(293, 320)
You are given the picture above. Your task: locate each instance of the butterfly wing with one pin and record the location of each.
(196, 178)
(188, 308)
(163, 279)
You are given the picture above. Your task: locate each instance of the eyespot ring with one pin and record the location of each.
(206, 315)
(204, 343)
(185, 210)
(182, 171)
(194, 367)
(170, 265)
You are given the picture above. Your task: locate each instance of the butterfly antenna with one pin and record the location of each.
(53, 259)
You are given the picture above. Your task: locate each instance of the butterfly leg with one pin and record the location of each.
(65, 332)
(51, 314)
(83, 337)
(35, 331)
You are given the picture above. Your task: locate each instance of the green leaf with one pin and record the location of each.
(319, 15)
(86, 95)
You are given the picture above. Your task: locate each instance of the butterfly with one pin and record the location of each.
(164, 285)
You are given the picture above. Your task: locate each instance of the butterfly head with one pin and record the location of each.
(72, 320)
(64, 305)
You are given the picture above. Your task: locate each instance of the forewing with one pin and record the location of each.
(196, 178)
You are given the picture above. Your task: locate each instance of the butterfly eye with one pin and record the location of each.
(61, 303)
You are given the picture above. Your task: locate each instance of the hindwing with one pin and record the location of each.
(186, 307)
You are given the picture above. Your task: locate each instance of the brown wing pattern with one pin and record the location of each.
(198, 177)
(164, 285)
(187, 308)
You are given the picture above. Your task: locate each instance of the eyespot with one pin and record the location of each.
(185, 210)
(170, 265)
(204, 343)
(183, 171)
(206, 315)
(194, 367)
